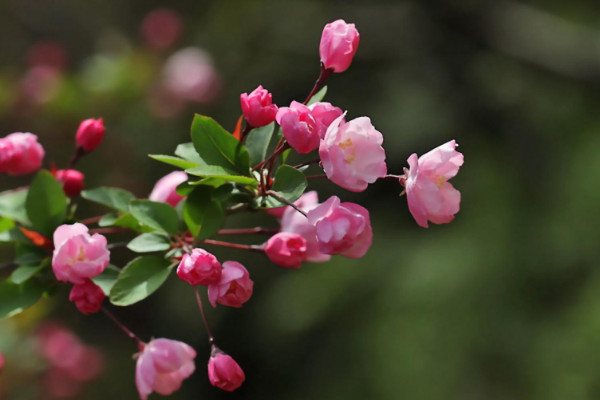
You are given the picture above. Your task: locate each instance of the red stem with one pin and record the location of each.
(211, 338)
(319, 83)
(244, 231)
(131, 335)
(234, 245)
(108, 230)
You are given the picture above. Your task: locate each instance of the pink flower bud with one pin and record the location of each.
(199, 268)
(20, 153)
(90, 134)
(258, 107)
(224, 372)
(286, 249)
(72, 181)
(429, 194)
(234, 288)
(87, 296)
(339, 43)
(352, 155)
(164, 189)
(299, 127)
(77, 254)
(325, 113)
(162, 366)
(342, 228)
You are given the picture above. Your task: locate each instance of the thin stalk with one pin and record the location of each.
(244, 231)
(131, 335)
(211, 338)
(319, 83)
(249, 247)
(304, 164)
(79, 152)
(286, 201)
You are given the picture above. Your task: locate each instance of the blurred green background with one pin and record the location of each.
(503, 303)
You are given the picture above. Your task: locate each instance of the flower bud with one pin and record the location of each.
(224, 372)
(72, 181)
(299, 127)
(199, 268)
(164, 189)
(234, 288)
(339, 43)
(87, 296)
(20, 154)
(325, 113)
(90, 134)
(258, 107)
(286, 249)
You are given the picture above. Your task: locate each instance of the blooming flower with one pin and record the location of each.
(90, 134)
(224, 372)
(199, 268)
(429, 195)
(87, 296)
(325, 113)
(299, 127)
(20, 153)
(286, 249)
(258, 107)
(339, 43)
(164, 189)
(234, 288)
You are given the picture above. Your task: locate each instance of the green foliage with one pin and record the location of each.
(188, 153)
(14, 298)
(257, 142)
(46, 203)
(319, 96)
(215, 171)
(149, 242)
(114, 198)
(139, 279)
(159, 216)
(289, 183)
(202, 214)
(106, 280)
(172, 160)
(24, 272)
(12, 206)
(125, 221)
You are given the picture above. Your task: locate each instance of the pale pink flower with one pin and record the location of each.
(429, 194)
(339, 43)
(351, 153)
(189, 74)
(162, 366)
(22, 154)
(286, 249)
(199, 268)
(224, 372)
(71, 180)
(342, 228)
(258, 107)
(234, 288)
(325, 113)
(87, 296)
(299, 127)
(90, 133)
(77, 254)
(293, 221)
(164, 189)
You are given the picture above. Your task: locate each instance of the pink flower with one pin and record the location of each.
(234, 288)
(258, 107)
(299, 127)
(429, 194)
(20, 154)
(293, 221)
(339, 43)
(164, 189)
(224, 372)
(342, 228)
(325, 113)
(87, 296)
(162, 366)
(189, 74)
(352, 155)
(286, 249)
(161, 28)
(90, 134)
(72, 181)
(77, 254)
(199, 268)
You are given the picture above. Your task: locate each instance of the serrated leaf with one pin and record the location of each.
(156, 215)
(258, 141)
(15, 298)
(171, 160)
(139, 279)
(149, 242)
(289, 183)
(107, 279)
(319, 96)
(46, 203)
(215, 171)
(114, 198)
(12, 205)
(203, 215)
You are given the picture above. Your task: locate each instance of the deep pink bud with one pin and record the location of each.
(342, 228)
(199, 268)
(258, 107)
(72, 181)
(224, 372)
(352, 155)
(164, 189)
(286, 249)
(339, 43)
(87, 296)
(77, 254)
(90, 134)
(299, 127)
(20, 153)
(429, 194)
(234, 288)
(162, 366)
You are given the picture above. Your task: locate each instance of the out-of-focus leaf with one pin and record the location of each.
(46, 203)
(258, 141)
(124, 221)
(14, 298)
(12, 205)
(202, 214)
(188, 153)
(115, 198)
(159, 216)
(24, 272)
(139, 279)
(149, 242)
(6, 224)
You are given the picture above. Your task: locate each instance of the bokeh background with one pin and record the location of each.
(503, 303)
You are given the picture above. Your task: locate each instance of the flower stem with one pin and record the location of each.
(319, 83)
(131, 335)
(244, 231)
(234, 245)
(211, 338)
(79, 152)
(286, 201)
(108, 230)
(304, 164)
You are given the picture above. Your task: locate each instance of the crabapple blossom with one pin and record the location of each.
(429, 195)
(77, 254)
(224, 372)
(286, 249)
(190, 75)
(258, 107)
(351, 153)
(234, 288)
(299, 127)
(164, 188)
(90, 134)
(20, 153)
(71, 180)
(339, 43)
(162, 366)
(342, 228)
(199, 268)
(87, 296)
(325, 113)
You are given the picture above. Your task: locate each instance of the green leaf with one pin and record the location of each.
(215, 171)
(188, 153)
(46, 203)
(139, 279)
(12, 205)
(125, 221)
(203, 215)
(319, 96)
(159, 216)
(24, 272)
(289, 183)
(14, 235)
(14, 298)
(114, 198)
(6, 224)
(175, 161)
(217, 147)
(258, 141)
(107, 279)
(148, 242)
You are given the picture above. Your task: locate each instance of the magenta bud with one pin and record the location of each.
(90, 134)
(224, 372)
(87, 296)
(71, 180)
(286, 249)
(199, 268)
(258, 107)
